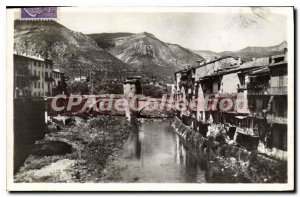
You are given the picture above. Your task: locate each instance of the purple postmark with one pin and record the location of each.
(39, 12)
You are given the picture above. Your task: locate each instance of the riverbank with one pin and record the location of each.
(76, 152)
(229, 163)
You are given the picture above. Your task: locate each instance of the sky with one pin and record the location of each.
(215, 31)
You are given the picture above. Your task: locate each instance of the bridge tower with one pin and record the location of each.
(131, 87)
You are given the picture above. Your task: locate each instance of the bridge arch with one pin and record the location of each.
(165, 108)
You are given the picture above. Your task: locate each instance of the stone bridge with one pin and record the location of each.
(131, 103)
(111, 104)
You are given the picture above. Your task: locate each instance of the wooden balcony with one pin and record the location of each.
(271, 118)
(263, 90)
(258, 115)
(247, 131)
(257, 90)
(277, 90)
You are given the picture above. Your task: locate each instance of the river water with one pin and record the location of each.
(155, 154)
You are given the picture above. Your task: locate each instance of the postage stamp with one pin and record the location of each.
(39, 12)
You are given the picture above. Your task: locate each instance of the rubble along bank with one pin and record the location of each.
(76, 152)
(228, 163)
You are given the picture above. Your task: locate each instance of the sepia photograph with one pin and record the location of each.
(150, 99)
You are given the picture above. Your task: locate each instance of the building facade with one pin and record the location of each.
(31, 76)
(34, 77)
(59, 85)
(247, 99)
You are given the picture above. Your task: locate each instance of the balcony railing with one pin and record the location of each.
(265, 90)
(277, 90)
(259, 115)
(247, 131)
(257, 90)
(276, 119)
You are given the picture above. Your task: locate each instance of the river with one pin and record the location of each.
(154, 154)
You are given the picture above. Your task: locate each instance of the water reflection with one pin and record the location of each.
(156, 154)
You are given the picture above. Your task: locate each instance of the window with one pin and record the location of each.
(42, 85)
(34, 72)
(34, 84)
(39, 85)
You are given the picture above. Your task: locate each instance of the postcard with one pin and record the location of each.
(150, 99)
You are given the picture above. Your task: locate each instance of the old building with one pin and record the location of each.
(80, 79)
(30, 75)
(59, 85)
(266, 89)
(132, 86)
(277, 114)
(249, 99)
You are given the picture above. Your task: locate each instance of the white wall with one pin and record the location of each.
(230, 83)
(43, 89)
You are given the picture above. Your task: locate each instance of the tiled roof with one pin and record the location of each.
(260, 71)
(255, 63)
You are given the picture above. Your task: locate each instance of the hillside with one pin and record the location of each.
(256, 52)
(72, 52)
(149, 55)
(206, 54)
(247, 53)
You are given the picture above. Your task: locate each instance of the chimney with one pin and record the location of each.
(239, 61)
(285, 54)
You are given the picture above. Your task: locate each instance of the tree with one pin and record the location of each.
(78, 87)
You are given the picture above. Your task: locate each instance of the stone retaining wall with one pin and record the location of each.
(233, 162)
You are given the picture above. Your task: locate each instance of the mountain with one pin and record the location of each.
(149, 55)
(256, 52)
(206, 54)
(72, 52)
(247, 53)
